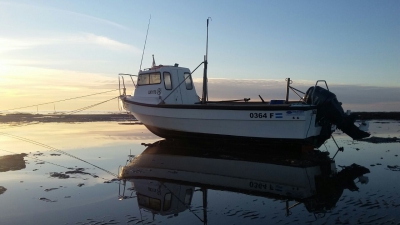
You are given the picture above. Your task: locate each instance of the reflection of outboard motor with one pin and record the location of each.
(348, 174)
(329, 108)
(330, 189)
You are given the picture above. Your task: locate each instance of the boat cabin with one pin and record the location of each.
(162, 198)
(168, 84)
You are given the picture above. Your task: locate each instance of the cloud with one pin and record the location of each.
(103, 42)
(10, 44)
(68, 13)
(97, 19)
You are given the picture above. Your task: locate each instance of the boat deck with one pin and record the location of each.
(249, 103)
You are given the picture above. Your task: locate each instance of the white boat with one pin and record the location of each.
(166, 102)
(171, 167)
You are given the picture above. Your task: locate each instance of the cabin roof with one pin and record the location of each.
(159, 67)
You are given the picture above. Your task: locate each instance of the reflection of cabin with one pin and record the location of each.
(157, 83)
(162, 198)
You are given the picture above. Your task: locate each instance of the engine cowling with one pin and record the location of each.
(329, 108)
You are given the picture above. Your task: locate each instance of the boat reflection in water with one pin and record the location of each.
(167, 173)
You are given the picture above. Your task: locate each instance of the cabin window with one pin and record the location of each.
(148, 202)
(188, 196)
(149, 78)
(167, 201)
(167, 81)
(143, 79)
(188, 81)
(155, 78)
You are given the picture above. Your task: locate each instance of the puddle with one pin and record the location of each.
(46, 187)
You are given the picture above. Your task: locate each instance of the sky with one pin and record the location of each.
(52, 50)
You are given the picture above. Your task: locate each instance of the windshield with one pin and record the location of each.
(148, 202)
(149, 78)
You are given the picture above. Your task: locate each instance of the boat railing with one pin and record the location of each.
(326, 84)
(316, 84)
(121, 78)
(288, 83)
(296, 91)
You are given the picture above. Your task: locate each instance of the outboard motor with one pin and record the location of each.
(329, 108)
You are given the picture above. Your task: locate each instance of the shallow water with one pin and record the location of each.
(34, 197)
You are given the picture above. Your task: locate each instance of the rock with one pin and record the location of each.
(2, 190)
(12, 162)
(46, 200)
(59, 175)
(50, 189)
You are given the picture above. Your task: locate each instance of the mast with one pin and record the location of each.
(204, 98)
(287, 89)
(205, 196)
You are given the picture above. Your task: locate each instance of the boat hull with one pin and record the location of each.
(273, 143)
(263, 123)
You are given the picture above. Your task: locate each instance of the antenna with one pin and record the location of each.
(207, 38)
(145, 41)
(205, 80)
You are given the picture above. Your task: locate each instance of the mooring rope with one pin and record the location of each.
(69, 113)
(46, 103)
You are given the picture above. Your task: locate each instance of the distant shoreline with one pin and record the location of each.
(378, 115)
(64, 118)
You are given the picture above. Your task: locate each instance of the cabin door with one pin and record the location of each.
(182, 87)
(176, 80)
